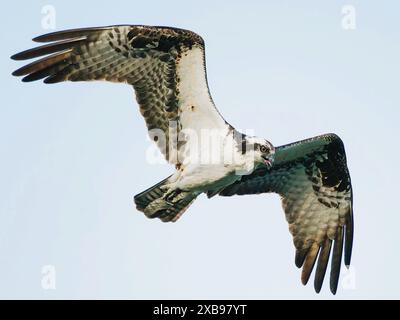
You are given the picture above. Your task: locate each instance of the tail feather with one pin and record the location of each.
(143, 199)
(153, 204)
(174, 212)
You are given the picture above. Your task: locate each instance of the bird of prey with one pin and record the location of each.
(166, 68)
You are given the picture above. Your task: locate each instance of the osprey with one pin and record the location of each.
(166, 67)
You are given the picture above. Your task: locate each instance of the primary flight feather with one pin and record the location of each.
(166, 67)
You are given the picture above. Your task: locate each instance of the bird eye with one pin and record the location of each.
(263, 149)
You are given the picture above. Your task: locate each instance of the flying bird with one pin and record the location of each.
(166, 68)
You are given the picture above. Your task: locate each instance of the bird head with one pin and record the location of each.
(262, 150)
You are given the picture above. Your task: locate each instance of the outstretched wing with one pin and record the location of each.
(166, 66)
(313, 180)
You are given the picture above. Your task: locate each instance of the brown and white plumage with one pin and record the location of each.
(166, 67)
(313, 180)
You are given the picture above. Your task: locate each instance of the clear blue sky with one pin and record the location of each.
(73, 154)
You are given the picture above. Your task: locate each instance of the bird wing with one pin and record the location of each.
(166, 67)
(313, 181)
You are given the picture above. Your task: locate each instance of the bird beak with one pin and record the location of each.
(268, 161)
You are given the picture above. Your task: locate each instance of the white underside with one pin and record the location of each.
(209, 158)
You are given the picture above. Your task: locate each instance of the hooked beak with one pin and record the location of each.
(268, 160)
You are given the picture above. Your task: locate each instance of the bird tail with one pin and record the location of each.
(154, 202)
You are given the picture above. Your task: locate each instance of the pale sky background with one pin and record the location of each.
(73, 154)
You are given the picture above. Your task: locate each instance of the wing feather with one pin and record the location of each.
(301, 255)
(166, 67)
(313, 180)
(336, 260)
(43, 63)
(322, 264)
(47, 49)
(309, 263)
(348, 244)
